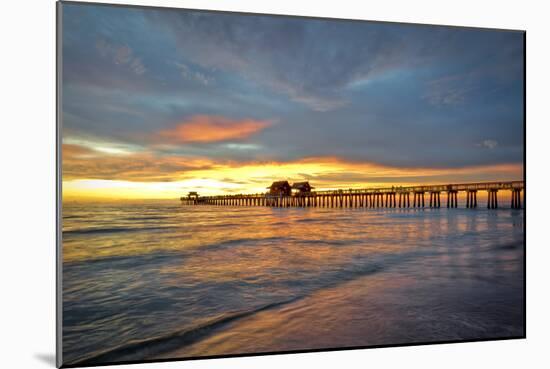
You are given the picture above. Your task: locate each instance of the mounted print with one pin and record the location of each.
(238, 184)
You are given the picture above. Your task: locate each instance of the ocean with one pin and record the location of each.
(145, 281)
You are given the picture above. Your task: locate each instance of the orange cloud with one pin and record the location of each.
(71, 151)
(83, 163)
(211, 128)
(145, 175)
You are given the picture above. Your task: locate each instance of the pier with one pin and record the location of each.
(281, 195)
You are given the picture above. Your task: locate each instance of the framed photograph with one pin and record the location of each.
(238, 184)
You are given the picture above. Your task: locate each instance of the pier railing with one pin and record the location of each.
(389, 197)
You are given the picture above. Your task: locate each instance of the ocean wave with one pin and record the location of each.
(329, 242)
(509, 246)
(240, 241)
(73, 217)
(154, 346)
(109, 230)
(260, 242)
(126, 260)
(157, 345)
(152, 217)
(309, 220)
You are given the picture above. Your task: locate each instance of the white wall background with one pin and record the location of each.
(27, 177)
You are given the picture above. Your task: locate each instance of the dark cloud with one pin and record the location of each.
(399, 95)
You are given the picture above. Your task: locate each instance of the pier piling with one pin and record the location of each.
(394, 197)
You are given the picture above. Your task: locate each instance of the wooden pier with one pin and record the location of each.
(280, 195)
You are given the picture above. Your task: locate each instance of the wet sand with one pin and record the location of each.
(374, 310)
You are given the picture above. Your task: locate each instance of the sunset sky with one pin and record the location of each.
(156, 103)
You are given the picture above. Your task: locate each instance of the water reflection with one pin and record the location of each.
(254, 279)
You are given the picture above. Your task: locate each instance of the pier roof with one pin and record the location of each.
(280, 188)
(279, 184)
(302, 186)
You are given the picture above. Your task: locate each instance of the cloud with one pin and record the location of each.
(371, 81)
(242, 146)
(205, 128)
(120, 55)
(312, 62)
(315, 62)
(489, 144)
(92, 145)
(449, 90)
(193, 75)
(71, 151)
(80, 162)
(155, 176)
